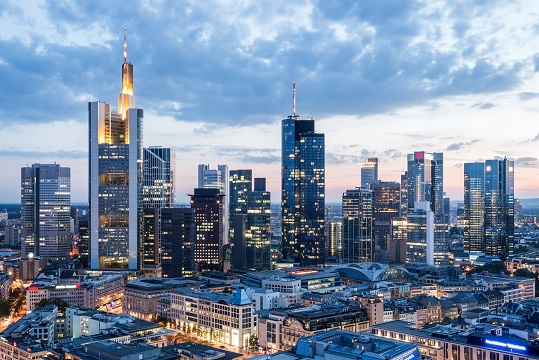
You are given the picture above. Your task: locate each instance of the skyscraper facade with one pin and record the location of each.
(420, 234)
(474, 207)
(369, 172)
(45, 211)
(425, 180)
(258, 226)
(386, 206)
(209, 227)
(158, 177)
(357, 226)
(178, 236)
(115, 183)
(334, 242)
(499, 208)
(303, 190)
(241, 182)
(217, 179)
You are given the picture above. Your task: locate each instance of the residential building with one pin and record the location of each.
(45, 211)
(357, 237)
(115, 179)
(303, 191)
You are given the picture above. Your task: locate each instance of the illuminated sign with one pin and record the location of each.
(409, 357)
(505, 345)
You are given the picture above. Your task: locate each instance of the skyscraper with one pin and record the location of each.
(425, 180)
(386, 206)
(357, 226)
(474, 207)
(217, 179)
(45, 211)
(303, 190)
(241, 182)
(420, 234)
(159, 177)
(334, 241)
(369, 172)
(499, 207)
(115, 168)
(258, 226)
(209, 226)
(177, 242)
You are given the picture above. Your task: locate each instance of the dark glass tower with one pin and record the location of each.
(474, 207)
(425, 180)
(258, 226)
(386, 206)
(499, 207)
(303, 189)
(241, 182)
(177, 242)
(357, 226)
(369, 172)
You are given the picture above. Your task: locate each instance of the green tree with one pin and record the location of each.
(494, 267)
(525, 273)
(253, 342)
(5, 308)
(61, 304)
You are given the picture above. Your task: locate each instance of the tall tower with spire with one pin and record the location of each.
(115, 178)
(303, 190)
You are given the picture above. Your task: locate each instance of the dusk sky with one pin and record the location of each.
(381, 78)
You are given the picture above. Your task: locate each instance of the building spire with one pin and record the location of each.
(294, 99)
(125, 45)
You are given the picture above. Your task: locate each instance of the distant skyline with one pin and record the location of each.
(381, 78)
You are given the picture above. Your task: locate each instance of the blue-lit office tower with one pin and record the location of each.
(357, 226)
(45, 211)
(474, 207)
(217, 179)
(425, 180)
(303, 189)
(499, 207)
(115, 183)
(369, 172)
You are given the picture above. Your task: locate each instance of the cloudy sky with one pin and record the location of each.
(381, 78)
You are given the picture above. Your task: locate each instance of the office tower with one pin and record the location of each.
(369, 172)
(420, 234)
(303, 189)
(216, 179)
(518, 210)
(178, 236)
(425, 180)
(11, 235)
(45, 211)
(357, 226)
(83, 243)
(239, 251)
(209, 227)
(159, 166)
(241, 182)
(404, 194)
(115, 186)
(397, 242)
(386, 206)
(150, 239)
(447, 208)
(334, 243)
(258, 226)
(499, 208)
(474, 207)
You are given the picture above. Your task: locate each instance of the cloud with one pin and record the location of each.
(526, 161)
(524, 96)
(37, 154)
(483, 105)
(460, 145)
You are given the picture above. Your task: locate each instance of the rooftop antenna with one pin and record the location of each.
(125, 45)
(294, 98)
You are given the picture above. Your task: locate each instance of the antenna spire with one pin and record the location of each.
(125, 45)
(294, 98)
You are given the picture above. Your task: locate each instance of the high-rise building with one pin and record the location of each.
(45, 211)
(258, 226)
(425, 180)
(386, 206)
(499, 207)
(397, 242)
(357, 226)
(217, 179)
(303, 190)
(150, 254)
(404, 194)
(158, 177)
(241, 182)
(115, 183)
(209, 227)
(334, 243)
(420, 234)
(177, 242)
(474, 207)
(369, 172)
(83, 243)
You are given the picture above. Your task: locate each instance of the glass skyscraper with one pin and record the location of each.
(499, 207)
(45, 211)
(357, 226)
(217, 179)
(425, 180)
(474, 207)
(369, 172)
(258, 226)
(159, 177)
(386, 206)
(115, 183)
(303, 190)
(241, 182)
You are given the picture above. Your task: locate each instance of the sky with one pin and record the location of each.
(381, 78)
